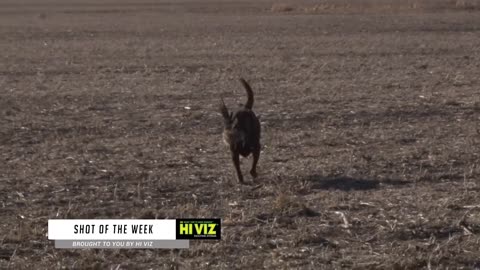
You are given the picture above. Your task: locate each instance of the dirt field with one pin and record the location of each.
(370, 115)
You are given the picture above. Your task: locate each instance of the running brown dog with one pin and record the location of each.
(242, 132)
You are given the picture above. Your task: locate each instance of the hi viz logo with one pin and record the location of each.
(196, 229)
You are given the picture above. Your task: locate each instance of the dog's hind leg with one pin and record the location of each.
(256, 156)
(236, 163)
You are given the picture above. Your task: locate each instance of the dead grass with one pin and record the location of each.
(382, 6)
(282, 8)
(370, 135)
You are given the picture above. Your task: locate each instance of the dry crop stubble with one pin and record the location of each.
(108, 111)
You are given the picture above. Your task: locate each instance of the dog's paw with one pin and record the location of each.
(254, 174)
(240, 181)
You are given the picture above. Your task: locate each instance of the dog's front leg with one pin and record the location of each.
(236, 163)
(256, 156)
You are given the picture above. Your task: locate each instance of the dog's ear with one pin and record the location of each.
(222, 108)
(224, 111)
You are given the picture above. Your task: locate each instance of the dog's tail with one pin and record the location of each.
(226, 115)
(249, 104)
